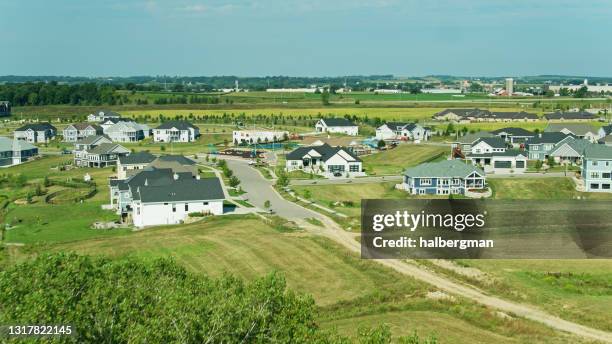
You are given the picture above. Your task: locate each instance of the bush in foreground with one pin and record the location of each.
(129, 301)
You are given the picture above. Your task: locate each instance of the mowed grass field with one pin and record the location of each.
(540, 188)
(394, 161)
(349, 292)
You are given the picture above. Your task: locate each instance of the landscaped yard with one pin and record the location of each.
(395, 161)
(540, 188)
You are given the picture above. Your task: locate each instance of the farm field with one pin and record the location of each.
(394, 161)
(345, 288)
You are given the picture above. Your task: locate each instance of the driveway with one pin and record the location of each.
(258, 190)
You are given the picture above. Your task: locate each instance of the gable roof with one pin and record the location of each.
(325, 151)
(548, 137)
(570, 115)
(401, 125)
(36, 126)
(124, 126)
(598, 152)
(578, 145)
(93, 139)
(176, 158)
(14, 145)
(338, 122)
(180, 125)
(83, 126)
(446, 168)
(508, 152)
(181, 190)
(106, 113)
(137, 158)
(580, 129)
(513, 131)
(494, 142)
(470, 138)
(107, 148)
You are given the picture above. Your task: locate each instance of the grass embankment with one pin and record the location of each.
(395, 161)
(347, 290)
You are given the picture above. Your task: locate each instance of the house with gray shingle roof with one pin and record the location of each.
(571, 116)
(337, 125)
(14, 152)
(488, 145)
(101, 115)
(132, 163)
(97, 151)
(596, 168)
(42, 132)
(443, 178)
(580, 130)
(514, 136)
(176, 131)
(402, 131)
(324, 160)
(569, 150)
(509, 161)
(539, 147)
(127, 131)
(78, 131)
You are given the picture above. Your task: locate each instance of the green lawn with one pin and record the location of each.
(395, 161)
(539, 188)
(346, 289)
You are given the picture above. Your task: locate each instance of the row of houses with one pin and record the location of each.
(482, 115)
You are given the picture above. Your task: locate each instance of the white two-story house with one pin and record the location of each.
(97, 151)
(176, 131)
(325, 160)
(36, 132)
(79, 131)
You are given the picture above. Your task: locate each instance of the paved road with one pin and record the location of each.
(258, 190)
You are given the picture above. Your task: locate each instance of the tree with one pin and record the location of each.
(325, 97)
(381, 144)
(551, 161)
(538, 165)
(234, 181)
(282, 180)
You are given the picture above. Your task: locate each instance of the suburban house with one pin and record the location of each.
(336, 125)
(176, 163)
(101, 115)
(325, 160)
(79, 131)
(580, 130)
(5, 108)
(14, 152)
(478, 115)
(571, 116)
(163, 196)
(464, 143)
(597, 168)
(110, 121)
(508, 161)
(488, 145)
(247, 137)
(36, 132)
(176, 131)
(569, 150)
(97, 151)
(133, 163)
(402, 131)
(540, 146)
(605, 131)
(172, 204)
(443, 178)
(516, 137)
(125, 131)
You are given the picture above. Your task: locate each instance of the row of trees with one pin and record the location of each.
(54, 94)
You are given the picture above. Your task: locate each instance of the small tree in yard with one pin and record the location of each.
(227, 172)
(551, 161)
(381, 144)
(283, 180)
(538, 165)
(234, 181)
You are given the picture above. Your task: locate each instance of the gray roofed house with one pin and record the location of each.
(78, 131)
(540, 146)
(570, 150)
(182, 190)
(488, 145)
(605, 130)
(479, 115)
(596, 168)
(581, 130)
(101, 115)
(325, 160)
(402, 131)
(443, 178)
(14, 152)
(137, 158)
(337, 125)
(42, 132)
(515, 136)
(571, 115)
(97, 151)
(176, 158)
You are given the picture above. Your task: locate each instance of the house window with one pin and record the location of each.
(594, 175)
(605, 186)
(593, 163)
(456, 181)
(444, 181)
(174, 208)
(354, 168)
(205, 203)
(294, 162)
(605, 175)
(426, 181)
(535, 148)
(421, 191)
(186, 207)
(594, 186)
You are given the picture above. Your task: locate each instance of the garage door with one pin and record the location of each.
(502, 164)
(520, 164)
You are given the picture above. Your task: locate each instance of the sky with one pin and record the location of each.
(306, 38)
